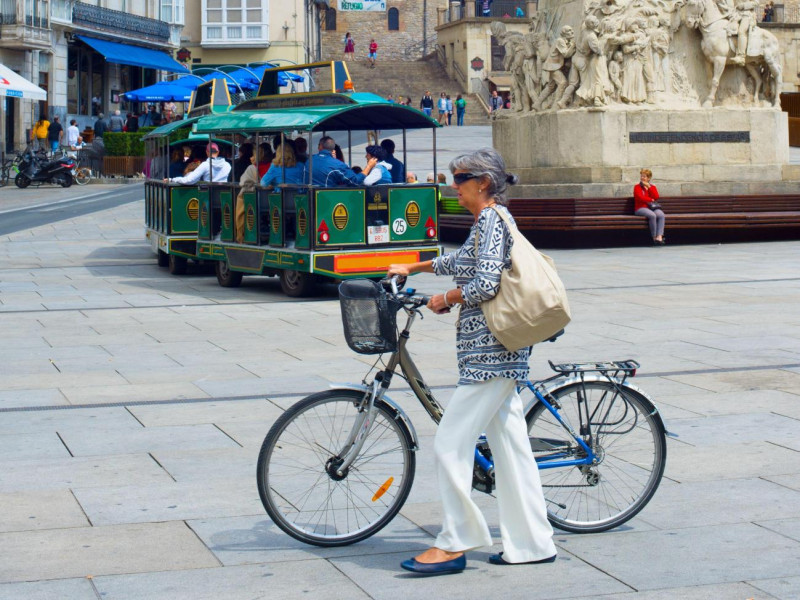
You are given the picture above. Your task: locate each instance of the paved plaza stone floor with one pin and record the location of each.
(133, 405)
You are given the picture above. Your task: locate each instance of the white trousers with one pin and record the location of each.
(493, 407)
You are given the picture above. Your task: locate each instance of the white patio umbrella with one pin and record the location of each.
(16, 86)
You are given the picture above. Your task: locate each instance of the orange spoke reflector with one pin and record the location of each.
(382, 490)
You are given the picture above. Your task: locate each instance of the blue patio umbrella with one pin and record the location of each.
(163, 91)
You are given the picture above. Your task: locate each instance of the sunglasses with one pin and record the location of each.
(460, 178)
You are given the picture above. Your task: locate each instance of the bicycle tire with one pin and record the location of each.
(83, 175)
(309, 504)
(629, 441)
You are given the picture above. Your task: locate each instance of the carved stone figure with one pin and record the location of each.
(553, 79)
(535, 49)
(762, 49)
(747, 22)
(624, 52)
(514, 45)
(590, 62)
(615, 72)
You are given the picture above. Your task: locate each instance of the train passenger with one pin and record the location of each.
(301, 150)
(265, 156)
(217, 171)
(327, 171)
(284, 163)
(176, 163)
(398, 168)
(377, 171)
(247, 182)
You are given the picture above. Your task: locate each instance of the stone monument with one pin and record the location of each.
(687, 88)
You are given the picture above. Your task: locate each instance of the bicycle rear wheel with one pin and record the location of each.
(628, 439)
(83, 175)
(297, 478)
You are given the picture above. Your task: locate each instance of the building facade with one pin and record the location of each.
(241, 32)
(403, 29)
(84, 54)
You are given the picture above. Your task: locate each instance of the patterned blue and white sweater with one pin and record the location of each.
(480, 356)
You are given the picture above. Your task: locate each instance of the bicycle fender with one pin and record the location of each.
(400, 414)
(546, 389)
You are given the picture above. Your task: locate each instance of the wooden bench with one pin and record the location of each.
(698, 213)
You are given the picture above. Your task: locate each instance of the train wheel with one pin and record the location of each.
(227, 277)
(177, 264)
(163, 259)
(298, 284)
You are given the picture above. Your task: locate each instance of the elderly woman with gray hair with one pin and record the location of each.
(486, 398)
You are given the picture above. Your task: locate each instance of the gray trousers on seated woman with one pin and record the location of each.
(655, 218)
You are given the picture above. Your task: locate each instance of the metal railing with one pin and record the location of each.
(420, 47)
(498, 9)
(460, 75)
(481, 90)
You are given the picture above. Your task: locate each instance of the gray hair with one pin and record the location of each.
(487, 163)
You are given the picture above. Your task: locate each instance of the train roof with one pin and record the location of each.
(316, 112)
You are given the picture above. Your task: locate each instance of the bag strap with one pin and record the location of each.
(512, 228)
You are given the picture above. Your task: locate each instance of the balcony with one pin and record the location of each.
(498, 9)
(25, 24)
(89, 18)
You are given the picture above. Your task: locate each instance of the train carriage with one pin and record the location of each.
(302, 233)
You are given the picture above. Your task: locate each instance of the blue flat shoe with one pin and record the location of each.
(440, 568)
(497, 559)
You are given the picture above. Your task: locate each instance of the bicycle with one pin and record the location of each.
(9, 169)
(338, 466)
(81, 175)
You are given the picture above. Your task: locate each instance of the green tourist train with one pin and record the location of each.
(303, 233)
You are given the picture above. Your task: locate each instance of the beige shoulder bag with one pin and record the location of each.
(531, 304)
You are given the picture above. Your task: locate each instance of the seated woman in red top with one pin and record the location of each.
(645, 204)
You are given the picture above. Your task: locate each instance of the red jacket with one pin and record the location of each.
(642, 197)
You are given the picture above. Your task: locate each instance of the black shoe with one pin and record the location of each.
(439, 568)
(497, 559)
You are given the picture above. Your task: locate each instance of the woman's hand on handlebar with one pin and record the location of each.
(438, 305)
(399, 269)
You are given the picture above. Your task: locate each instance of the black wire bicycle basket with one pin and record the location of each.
(369, 316)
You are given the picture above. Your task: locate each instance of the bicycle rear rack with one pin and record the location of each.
(612, 369)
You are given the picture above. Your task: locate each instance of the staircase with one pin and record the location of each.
(402, 78)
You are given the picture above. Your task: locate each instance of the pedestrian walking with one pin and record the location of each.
(441, 105)
(486, 399)
(495, 102)
(461, 108)
(349, 46)
(373, 53)
(116, 123)
(39, 134)
(426, 104)
(73, 133)
(54, 134)
(100, 126)
(449, 110)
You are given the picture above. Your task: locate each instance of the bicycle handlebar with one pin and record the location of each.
(409, 296)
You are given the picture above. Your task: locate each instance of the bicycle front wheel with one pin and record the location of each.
(628, 438)
(297, 470)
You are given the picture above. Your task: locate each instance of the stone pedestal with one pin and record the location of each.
(586, 152)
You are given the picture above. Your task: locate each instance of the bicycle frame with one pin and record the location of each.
(402, 358)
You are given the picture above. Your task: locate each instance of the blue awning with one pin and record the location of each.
(126, 54)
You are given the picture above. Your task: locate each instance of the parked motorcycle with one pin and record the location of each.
(37, 169)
